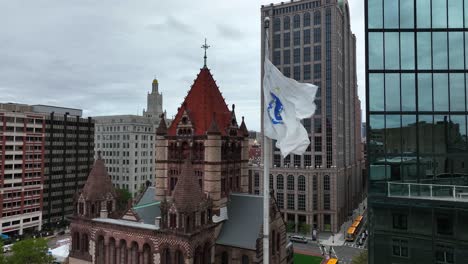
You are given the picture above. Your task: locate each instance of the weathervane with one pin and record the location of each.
(205, 47)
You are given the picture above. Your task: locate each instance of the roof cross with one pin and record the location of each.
(205, 47)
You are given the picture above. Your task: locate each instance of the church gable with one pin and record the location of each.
(131, 215)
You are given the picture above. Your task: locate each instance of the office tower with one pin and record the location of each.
(311, 41)
(21, 169)
(127, 144)
(69, 156)
(417, 130)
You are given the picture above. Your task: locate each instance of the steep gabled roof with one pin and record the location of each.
(188, 194)
(203, 99)
(99, 184)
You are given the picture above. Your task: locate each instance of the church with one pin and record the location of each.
(198, 212)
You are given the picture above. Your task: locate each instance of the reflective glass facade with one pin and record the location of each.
(416, 78)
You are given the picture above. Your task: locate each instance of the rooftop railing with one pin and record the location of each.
(428, 191)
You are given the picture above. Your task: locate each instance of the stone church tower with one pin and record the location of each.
(154, 102)
(207, 132)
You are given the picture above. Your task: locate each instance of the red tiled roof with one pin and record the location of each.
(203, 99)
(99, 183)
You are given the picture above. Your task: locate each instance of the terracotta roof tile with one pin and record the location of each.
(99, 183)
(203, 99)
(187, 194)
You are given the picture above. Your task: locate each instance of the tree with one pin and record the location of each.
(290, 227)
(304, 228)
(123, 196)
(361, 258)
(2, 257)
(34, 251)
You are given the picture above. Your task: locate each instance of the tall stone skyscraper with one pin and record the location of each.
(416, 61)
(154, 102)
(311, 41)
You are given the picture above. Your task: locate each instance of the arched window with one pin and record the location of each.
(280, 182)
(179, 257)
(278, 239)
(297, 21)
(326, 183)
(277, 24)
(317, 18)
(167, 256)
(245, 259)
(286, 23)
(290, 183)
(301, 183)
(306, 19)
(224, 258)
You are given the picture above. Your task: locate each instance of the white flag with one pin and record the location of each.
(286, 103)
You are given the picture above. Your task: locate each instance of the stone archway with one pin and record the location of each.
(100, 250)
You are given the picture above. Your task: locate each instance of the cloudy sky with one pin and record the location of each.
(101, 56)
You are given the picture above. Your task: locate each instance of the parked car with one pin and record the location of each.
(299, 239)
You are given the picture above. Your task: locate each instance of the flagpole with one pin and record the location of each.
(266, 169)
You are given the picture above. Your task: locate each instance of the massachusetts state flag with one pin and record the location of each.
(286, 103)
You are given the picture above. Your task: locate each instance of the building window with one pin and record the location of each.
(277, 24)
(318, 144)
(286, 56)
(317, 53)
(317, 18)
(297, 55)
(279, 182)
(314, 183)
(400, 248)
(287, 72)
(317, 125)
(277, 58)
(301, 202)
(280, 200)
(317, 71)
(326, 201)
(301, 183)
(277, 160)
(297, 21)
(297, 38)
(271, 182)
(317, 35)
(315, 202)
(257, 180)
(245, 259)
(444, 254)
(297, 161)
(326, 183)
(307, 160)
(400, 221)
(306, 36)
(444, 225)
(286, 23)
(307, 55)
(276, 41)
(286, 39)
(290, 201)
(297, 73)
(290, 183)
(306, 21)
(307, 72)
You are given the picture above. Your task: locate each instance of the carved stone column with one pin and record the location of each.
(140, 257)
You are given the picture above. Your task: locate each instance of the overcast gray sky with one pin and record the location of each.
(101, 56)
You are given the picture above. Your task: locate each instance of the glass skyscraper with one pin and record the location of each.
(416, 87)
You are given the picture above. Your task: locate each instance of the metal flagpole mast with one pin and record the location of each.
(266, 171)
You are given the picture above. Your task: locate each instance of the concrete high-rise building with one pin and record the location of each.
(127, 144)
(417, 131)
(311, 41)
(67, 156)
(22, 140)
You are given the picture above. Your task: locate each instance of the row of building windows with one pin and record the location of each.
(297, 56)
(296, 40)
(104, 128)
(429, 14)
(306, 21)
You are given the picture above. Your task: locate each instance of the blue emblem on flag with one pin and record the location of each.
(275, 107)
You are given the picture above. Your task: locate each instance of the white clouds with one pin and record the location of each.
(101, 56)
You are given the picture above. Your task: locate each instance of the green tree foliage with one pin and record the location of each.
(33, 251)
(2, 257)
(361, 258)
(290, 227)
(304, 229)
(123, 196)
